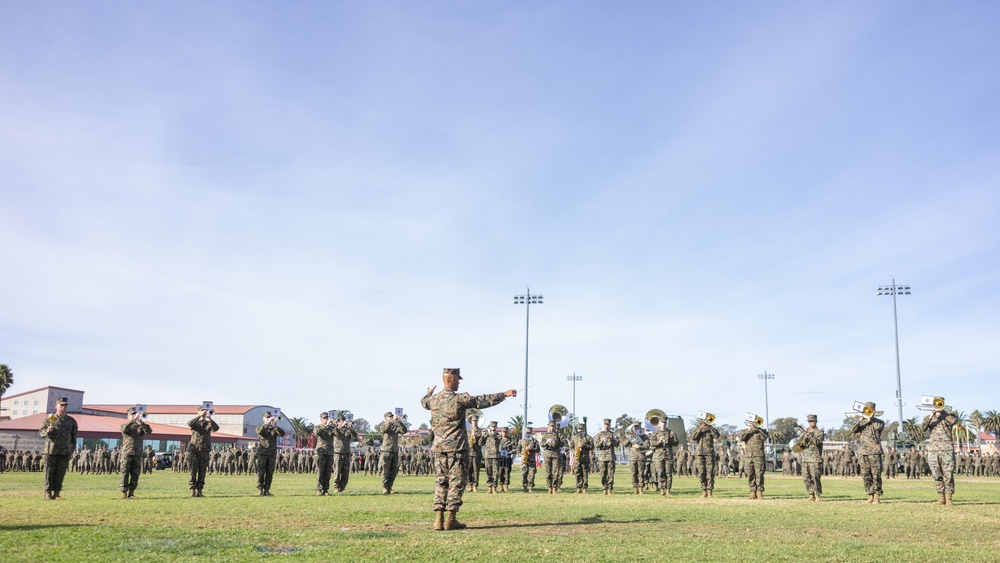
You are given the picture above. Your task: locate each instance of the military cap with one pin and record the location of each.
(580, 426)
(453, 371)
(493, 424)
(131, 410)
(388, 415)
(636, 423)
(324, 414)
(870, 405)
(811, 418)
(529, 431)
(267, 414)
(62, 401)
(552, 423)
(607, 421)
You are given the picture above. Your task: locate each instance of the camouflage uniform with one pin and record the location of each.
(663, 442)
(343, 435)
(812, 460)
(491, 455)
(451, 442)
(267, 452)
(755, 439)
(199, 450)
(528, 448)
(870, 433)
(506, 460)
(552, 444)
(390, 429)
(941, 451)
(637, 456)
(582, 445)
(324, 454)
(131, 454)
(605, 442)
(704, 437)
(59, 446)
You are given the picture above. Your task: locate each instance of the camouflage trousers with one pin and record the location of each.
(637, 463)
(704, 468)
(475, 465)
(528, 470)
(943, 471)
(265, 470)
(607, 469)
(663, 472)
(131, 468)
(55, 471)
(341, 470)
(452, 470)
(199, 466)
(755, 467)
(871, 473)
(812, 473)
(492, 472)
(581, 470)
(390, 468)
(553, 470)
(324, 465)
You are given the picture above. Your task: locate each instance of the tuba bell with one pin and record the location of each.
(560, 415)
(653, 419)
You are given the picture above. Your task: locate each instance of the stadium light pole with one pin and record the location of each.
(895, 290)
(527, 300)
(574, 378)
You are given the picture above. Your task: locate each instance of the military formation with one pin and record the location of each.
(461, 450)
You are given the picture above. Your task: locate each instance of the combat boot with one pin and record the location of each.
(552, 490)
(267, 493)
(635, 490)
(760, 495)
(709, 493)
(531, 489)
(875, 498)
(584, 491)
(194, 493)
(48, 495)
(200, 495)
(871, 499)
(818, 497)
(438, 520)
(704, 493)
(493, 490)
(319, 493)
(605, 491)
(753, 495)
(941, 500)
(947, 499)
(811, 498)
(451, 523)
(385, 490)
(475, 488)
(667, 492)
(124, 494)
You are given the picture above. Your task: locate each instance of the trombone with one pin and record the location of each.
(707, 418)
(932, 403)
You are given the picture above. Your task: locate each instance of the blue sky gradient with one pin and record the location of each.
(319, 205)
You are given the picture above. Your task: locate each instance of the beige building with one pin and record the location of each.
(39, 401)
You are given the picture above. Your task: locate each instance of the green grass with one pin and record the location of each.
(232, 524)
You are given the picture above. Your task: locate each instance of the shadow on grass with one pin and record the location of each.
(589, 521)
(42, 527)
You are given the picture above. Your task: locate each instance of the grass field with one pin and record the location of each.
(232, 523)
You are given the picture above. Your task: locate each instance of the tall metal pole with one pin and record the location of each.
(894, 290)
(767, 414)
(574, 378)
(527, 299)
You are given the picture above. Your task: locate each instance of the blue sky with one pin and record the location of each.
(319, 205)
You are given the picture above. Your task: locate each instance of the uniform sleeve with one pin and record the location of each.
(480, 401)
(215, 425)
(73, 431)
(193, 423)
(426, 401)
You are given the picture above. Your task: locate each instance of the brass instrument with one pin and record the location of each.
(753, 420)
(707, 417)
(795, 445)
(637, 437)
(863, 410)
(560, 415)
(932, 403)
(653, 419)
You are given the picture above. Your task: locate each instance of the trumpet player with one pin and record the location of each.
(704, 436)
(941, 449)
(582, 445)
(343, 435)
(324, 452)
(131, 454)
(200, 448)
(637, 456)
(755, 439)
(475, 453)
(391, 428)
(267, 452)
(869, 430)
(605, 442)
(811, 441)
(491, 455)
(663, 442)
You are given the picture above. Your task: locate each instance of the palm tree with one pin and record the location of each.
(912, 427)
(302, 430)
(991, 423)
(6, 378)
(963, 431)
(515, 427)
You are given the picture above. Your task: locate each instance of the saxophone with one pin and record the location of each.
(472, 439)
(527, 453)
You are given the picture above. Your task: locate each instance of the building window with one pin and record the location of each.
(36, 403)
(15, 403)
(15, 412)
(34, 412)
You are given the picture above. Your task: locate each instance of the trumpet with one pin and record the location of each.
(753, 420)
(707, 417)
